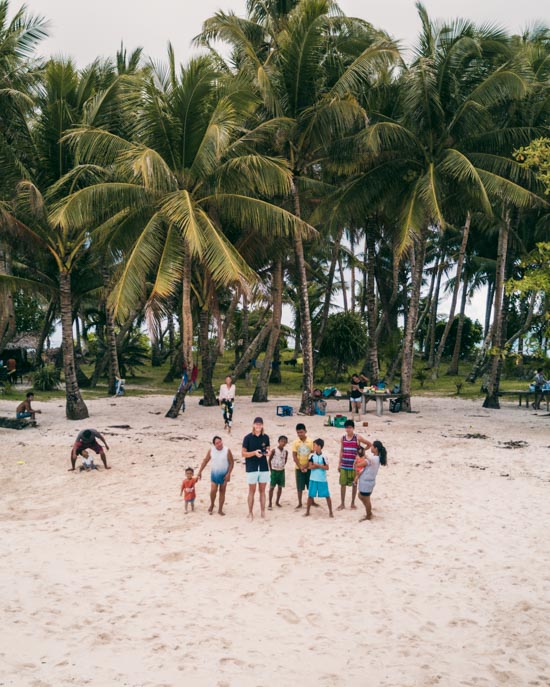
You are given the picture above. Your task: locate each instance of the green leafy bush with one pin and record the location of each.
(46, 378)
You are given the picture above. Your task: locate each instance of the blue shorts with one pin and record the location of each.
(257, 477)
(217, 477)
(319, 489)
(23, 416)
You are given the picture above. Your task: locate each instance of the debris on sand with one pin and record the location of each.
(513, 444)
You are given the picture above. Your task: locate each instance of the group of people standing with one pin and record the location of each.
(265, 465)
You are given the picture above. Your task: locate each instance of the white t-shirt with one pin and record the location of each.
(227, 393)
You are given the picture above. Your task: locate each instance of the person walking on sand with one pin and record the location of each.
(346, 467)
(301, 448)
(87, 439)
(367, 479)
(318, 483)
(277, 463)
(221, 466)
(24, 410)
(227, 400)
(255, 451)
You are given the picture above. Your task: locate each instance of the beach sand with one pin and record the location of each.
(104, 580)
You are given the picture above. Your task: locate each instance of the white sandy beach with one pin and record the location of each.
(104, 581)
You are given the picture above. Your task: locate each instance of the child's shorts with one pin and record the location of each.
(277, 478)
(319, 489)
(365, 493)
(190, 501)
(24, 415)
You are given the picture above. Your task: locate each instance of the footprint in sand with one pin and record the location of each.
(289, 615)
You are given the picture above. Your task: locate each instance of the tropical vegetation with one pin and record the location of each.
(309, 171)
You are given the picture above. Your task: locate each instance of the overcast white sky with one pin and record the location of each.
(85, 29)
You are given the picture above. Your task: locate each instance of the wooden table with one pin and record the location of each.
(527, 396)
(379, 398)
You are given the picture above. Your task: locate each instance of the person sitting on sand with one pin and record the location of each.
(87, 462)
(87, 439)
(24, 409)
(348, 452)
(367, 479)
(188, 486)
(277, 464)
(221, 466)
(318, 483)
(255, 450)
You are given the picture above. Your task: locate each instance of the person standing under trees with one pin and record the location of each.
(227, 400)
(358, 383)
(346, 467)
(255, 451)
(539, 382)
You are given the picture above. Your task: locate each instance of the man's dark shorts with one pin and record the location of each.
(302, 480)
(83, 446)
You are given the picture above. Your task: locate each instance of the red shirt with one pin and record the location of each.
(188, 486)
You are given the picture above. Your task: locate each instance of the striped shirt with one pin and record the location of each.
(349, 452)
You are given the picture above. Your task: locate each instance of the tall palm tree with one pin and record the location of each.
(308, 65)
(188, 171)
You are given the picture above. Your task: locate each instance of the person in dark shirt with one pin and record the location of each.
(255, 450)
(86, 440)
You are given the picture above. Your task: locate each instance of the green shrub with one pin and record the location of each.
(46, 378)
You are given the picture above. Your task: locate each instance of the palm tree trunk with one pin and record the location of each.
(186, 312)
(44, 331)
(7, 312)
(433, 313)
(492, 400)
(453, 368)
(75, 407)
(206, 357)
(458, 279)
(252, 350)
(488, 306)
(110, 336)
(372, 356)
(428, 305)
(412, 316)
(328, 294)
(343, 283)
(262, 385)
(352, 271)
(305, 316)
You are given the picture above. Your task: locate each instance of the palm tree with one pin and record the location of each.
(448, 150)
(308, 65)
(188, 172)
(19, 38)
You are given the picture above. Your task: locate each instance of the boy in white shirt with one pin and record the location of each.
(277, 464)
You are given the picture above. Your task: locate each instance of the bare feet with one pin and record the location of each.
(365, 517)
(262, 514)
(71, 470)
(278, 505)
(250, 516)
(306, 515)
(353, 506)
(298, 506)
(330, 515)
(220, 512)
(270, 508)
(341, 507)
(316, 505)
(210, 510)
(107, 467)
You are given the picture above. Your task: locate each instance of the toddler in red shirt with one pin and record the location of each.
(188, 488)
